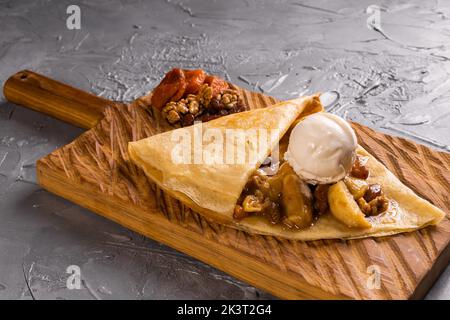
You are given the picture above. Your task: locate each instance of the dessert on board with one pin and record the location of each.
(290, 170)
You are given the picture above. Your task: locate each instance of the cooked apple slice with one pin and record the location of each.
(357, 187)
(296, 202)
(344, 208)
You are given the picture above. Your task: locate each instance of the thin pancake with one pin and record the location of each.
(213, 190)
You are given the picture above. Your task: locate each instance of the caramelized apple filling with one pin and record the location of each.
(281, 198)
(284, 198)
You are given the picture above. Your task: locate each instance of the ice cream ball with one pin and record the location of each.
(322, 148)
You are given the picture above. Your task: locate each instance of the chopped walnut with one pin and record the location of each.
(168, 107)
(173, 117)
(182, 110)
(203, 106)
(374, 207)
(194, 107)
(191, 97)
(205, 95)
(372, 192)
(169, 112)
(228, 100)
(173, 111)
(181, 107)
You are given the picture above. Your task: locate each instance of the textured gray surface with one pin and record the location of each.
(395, 79)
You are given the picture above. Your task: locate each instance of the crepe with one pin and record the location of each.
(213, 187)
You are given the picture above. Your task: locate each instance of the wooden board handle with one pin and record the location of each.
(54, 98)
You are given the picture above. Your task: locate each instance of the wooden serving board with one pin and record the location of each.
(95, 172)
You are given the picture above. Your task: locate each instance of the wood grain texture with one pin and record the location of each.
(94, 171)
(54, 98)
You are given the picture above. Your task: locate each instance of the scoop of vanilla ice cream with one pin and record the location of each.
(322, 148)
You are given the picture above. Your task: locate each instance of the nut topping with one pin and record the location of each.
(374, 207)
(203, 106)
(205, 95)
(373, 192)
(359, 169)
(186, 95)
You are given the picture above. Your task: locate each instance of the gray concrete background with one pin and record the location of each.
(395, 79)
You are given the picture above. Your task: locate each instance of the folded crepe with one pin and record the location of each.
(211, 185)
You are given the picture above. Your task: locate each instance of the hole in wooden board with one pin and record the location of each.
(23, 76)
